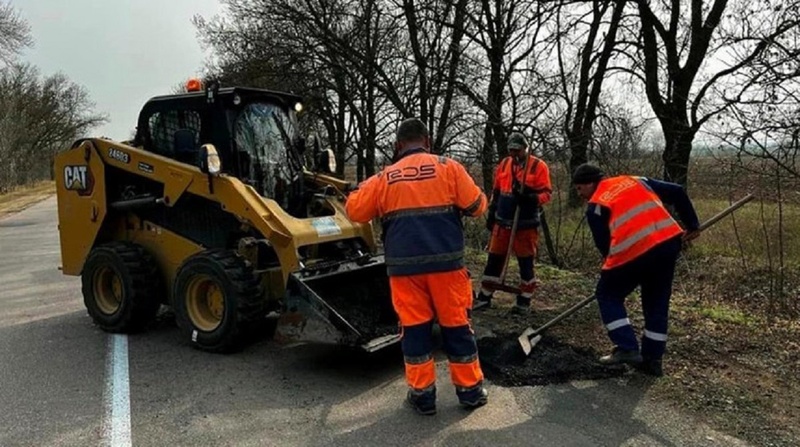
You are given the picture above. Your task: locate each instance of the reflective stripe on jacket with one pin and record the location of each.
(537, 180)
(420, 200)
(638, 220)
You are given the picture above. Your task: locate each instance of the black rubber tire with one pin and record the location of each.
(243, 306)
(138, 281)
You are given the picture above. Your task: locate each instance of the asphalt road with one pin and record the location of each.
(64, 382)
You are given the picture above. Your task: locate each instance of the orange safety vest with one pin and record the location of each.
(509, 171)
(638, 222)
(536, 177)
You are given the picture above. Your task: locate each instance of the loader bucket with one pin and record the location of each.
(350, 305)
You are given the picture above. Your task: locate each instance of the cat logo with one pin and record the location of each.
(78, 178)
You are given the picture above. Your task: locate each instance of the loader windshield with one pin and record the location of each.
(261, 132)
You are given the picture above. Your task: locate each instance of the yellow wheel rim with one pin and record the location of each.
(205, 303)
(107, 287)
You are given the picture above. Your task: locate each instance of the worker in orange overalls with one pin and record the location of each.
(506, 197)
(640, 243)
(420, 200)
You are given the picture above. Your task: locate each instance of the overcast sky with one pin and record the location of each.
(122, 51)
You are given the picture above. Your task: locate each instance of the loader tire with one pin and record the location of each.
(120, 284)
(217, 301)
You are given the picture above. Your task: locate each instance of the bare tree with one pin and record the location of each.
(506, 34)
(345, 54)
(38, 117)
(582, 76)
(297, 47)
(674, 45)
(15, 33)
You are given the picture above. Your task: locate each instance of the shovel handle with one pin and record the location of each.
(587, 300)
(726, 211)
(563, 315)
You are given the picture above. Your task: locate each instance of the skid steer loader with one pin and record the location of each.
(213, 209)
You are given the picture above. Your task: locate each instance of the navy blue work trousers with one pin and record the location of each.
(653, 271)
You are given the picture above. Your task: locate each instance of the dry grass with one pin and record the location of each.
(734, 359)
(23, 197)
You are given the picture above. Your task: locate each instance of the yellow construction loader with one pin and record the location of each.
(217, 209)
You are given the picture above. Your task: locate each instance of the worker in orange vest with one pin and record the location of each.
(421, 199)
(506, 197)
(640, 243)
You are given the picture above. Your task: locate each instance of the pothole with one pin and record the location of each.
(550, 362)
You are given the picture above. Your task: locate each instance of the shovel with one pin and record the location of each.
(531, 337)
(493, 285)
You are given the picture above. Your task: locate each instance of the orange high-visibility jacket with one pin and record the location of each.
(638, 220)
(420, 200)
(537, 181)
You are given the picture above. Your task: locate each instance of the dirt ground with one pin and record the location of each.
(740, 377)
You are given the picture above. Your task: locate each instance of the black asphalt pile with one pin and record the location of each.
(550, 362)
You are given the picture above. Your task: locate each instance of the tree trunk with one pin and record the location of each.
(340, 126)
(371, 133)
(578, 144)
(487, 159)
(360, 148)
(494, 133)
(677, 151)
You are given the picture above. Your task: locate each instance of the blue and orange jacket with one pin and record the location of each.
(627, 216)
(537, 182)
(420, 200)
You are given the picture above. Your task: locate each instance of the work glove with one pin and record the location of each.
(688, 237)
(490, 221)
(490, 215)
(529, 200)
(691, 235)
(526, 197)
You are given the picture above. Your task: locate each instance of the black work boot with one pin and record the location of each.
(651, 367)
(482, 301)
(473, 398)
(423, 402)
(519, 310)
(619, 356)
(522, 306)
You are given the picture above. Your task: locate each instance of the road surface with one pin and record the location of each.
(64, 382)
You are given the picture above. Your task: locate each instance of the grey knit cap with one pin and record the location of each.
(517, 141)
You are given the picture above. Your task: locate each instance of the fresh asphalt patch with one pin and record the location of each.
(550, 362)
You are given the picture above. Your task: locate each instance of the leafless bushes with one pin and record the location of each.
(39, 115)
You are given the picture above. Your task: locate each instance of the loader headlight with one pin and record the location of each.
(210, 162)
(298, 107)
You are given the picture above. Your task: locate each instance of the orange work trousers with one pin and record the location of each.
(446, 297)
(525, 241)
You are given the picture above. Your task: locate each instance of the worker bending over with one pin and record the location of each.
(640, 243)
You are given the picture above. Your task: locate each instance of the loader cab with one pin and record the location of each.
(254, 131)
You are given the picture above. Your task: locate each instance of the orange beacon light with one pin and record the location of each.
(194, 85)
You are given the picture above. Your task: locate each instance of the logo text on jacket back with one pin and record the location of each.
(411, 173)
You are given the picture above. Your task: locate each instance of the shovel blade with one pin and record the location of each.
(491, 285)
(527, 342)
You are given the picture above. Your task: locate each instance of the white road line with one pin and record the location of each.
(117, 425)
